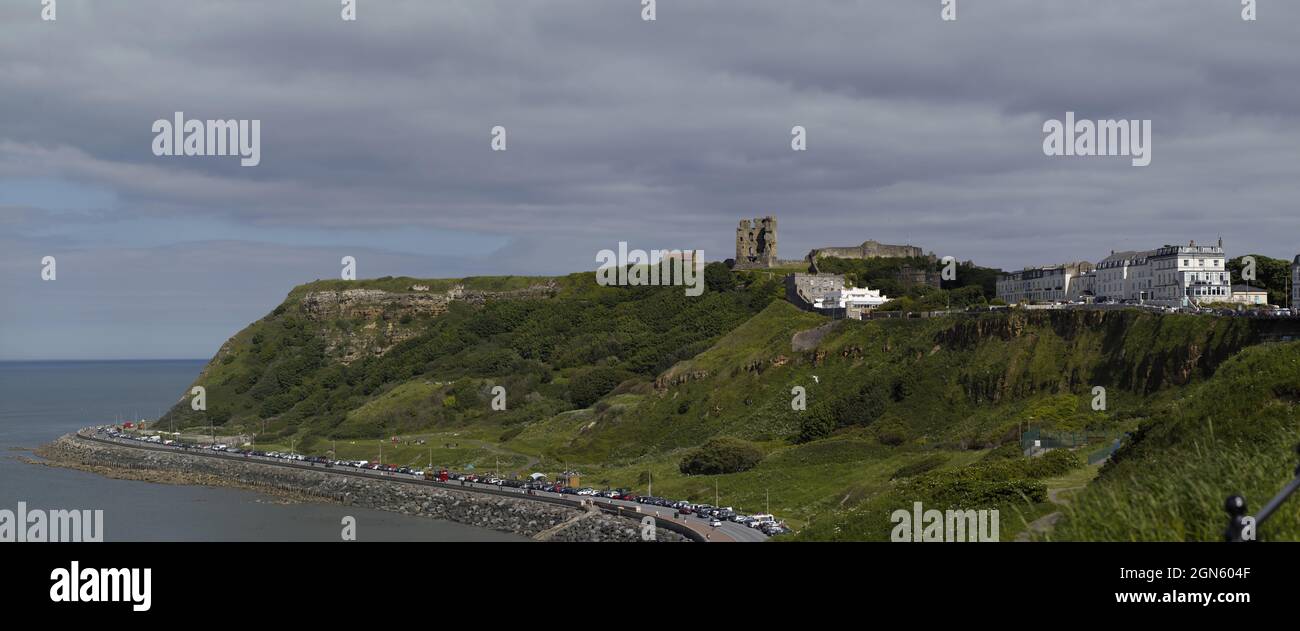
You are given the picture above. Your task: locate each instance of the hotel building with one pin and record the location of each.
(1049, 283)
(1172, 276)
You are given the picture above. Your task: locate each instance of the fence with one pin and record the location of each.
(1243, 527)
(1041, 439)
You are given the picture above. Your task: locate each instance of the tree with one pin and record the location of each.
(718, 278)
(721, 455)
(1270, 274)
(588, 386)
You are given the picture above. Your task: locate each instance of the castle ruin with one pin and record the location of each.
(868, 250)
(756, 243)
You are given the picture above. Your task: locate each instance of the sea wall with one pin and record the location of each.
(526, 517)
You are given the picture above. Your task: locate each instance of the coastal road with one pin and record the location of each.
(727, 532)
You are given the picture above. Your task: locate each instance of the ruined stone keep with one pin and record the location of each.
(756, 243)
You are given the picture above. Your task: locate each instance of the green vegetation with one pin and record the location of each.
(1270, 273)
(974, 286)
(721, 455)
(280, 378)
(635, 386)
(1233, 434)
(1015, 487)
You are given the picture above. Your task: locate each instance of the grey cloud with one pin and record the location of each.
(662, 133)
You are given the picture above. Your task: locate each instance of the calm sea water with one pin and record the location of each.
(40, 401)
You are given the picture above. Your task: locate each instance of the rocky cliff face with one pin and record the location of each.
(379, 314)
(1140, 351)
(371, 304)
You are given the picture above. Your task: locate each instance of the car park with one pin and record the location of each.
(715, 517)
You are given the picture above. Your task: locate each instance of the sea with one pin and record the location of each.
(41, 400)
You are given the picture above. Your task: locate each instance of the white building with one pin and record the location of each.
(1189, 275)
(1172, 275)
(851, 298)
(1124, 276)
(1247, 295)
(1295, 282)
(1083, 288)
(1049, 283)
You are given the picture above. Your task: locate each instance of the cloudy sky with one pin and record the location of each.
(375, 142)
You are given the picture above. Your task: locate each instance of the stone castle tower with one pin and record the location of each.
(756, 243)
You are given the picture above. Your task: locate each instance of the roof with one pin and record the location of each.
(1127, 255)
(1248, 289)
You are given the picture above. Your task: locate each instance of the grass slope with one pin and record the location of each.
(622, 382)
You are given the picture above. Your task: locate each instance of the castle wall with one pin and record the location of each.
(868, 250)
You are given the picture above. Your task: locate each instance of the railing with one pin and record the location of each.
(1239, 521)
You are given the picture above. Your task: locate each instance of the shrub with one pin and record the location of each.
(891, 432)
(588, 386)
(721, 455)
(818, 422)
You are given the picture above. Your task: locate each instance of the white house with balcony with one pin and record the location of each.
(1189, 275)
(1172, 275)
(853, 301)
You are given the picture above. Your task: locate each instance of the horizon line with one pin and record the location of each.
(110, 359)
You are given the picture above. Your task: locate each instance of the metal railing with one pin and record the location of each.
(1239, 522)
